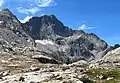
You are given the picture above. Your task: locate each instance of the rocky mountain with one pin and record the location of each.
(50, 37)
(44, 50)
(67, 45)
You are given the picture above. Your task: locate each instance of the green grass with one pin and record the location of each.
(105, 73)
(86, 80)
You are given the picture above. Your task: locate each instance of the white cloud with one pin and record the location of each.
(1, 3)
(28, 10)
(25, 19)
(45, 3)
(34, 6)
(84, 27)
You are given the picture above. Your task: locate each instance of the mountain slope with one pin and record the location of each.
(11, 31)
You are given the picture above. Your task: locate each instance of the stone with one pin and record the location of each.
(65, 67)
(83, 76)
(78, 82)
(45, 59)
(59, 78)
(80, 63)
(6, 73)
(109, 78)
(34, 82)
(22, 79)
(32, 68)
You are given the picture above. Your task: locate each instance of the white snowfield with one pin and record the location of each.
(44, 42)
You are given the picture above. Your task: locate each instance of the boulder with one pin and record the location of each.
(45, 59)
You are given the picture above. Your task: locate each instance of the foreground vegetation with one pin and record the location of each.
(102, 75)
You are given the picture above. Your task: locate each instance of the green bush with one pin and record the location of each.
(86, 80)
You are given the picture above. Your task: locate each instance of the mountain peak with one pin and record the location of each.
(45, 17)
(47, 27)
(49, 18)
(6, 11)
(53, 16)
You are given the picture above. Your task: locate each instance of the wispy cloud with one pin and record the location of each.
(28, 10)
(45, 3)
(25, 19)
(27, 6)
(2, 3)
(84, 27)
(34, 6)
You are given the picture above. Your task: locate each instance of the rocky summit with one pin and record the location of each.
(44, 50)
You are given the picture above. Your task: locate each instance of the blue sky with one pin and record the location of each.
(101, 17)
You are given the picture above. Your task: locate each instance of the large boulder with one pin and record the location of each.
(112, 56)
(45, 59)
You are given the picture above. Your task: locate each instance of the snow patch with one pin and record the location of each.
(44, 42)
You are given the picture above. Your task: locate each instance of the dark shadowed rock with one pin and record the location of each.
(47, 27)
